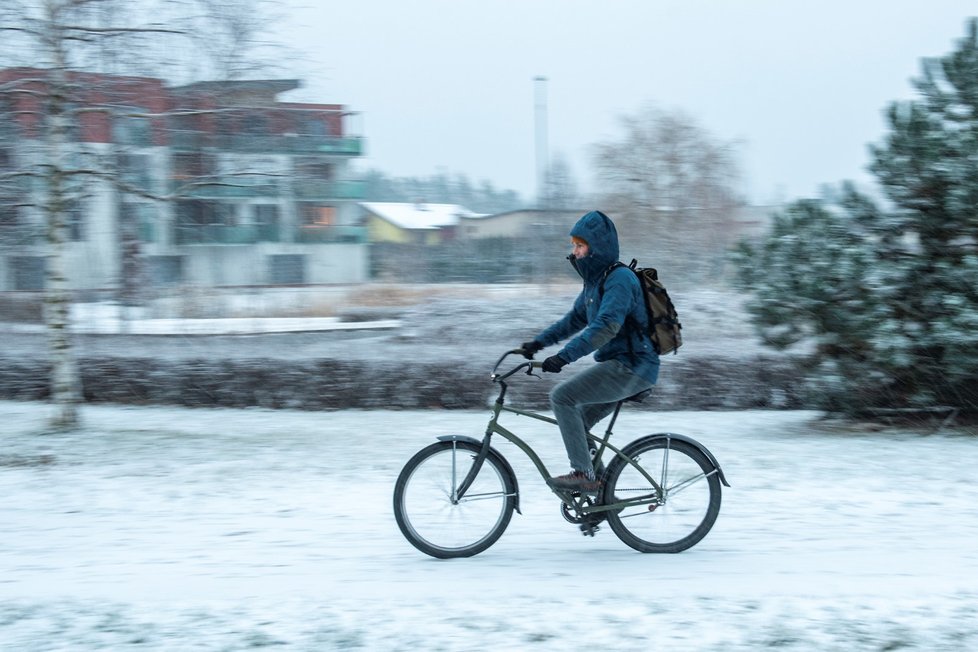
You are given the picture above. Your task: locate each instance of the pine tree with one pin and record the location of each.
(889, 297)
(928, 167)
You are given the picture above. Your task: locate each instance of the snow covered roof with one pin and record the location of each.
(409, 215)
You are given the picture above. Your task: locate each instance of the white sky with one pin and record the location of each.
(448, 84)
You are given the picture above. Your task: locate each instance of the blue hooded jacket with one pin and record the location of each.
(611, 323)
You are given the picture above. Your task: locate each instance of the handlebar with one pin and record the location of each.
(529, 365)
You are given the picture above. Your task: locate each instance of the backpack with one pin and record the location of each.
(664, 330)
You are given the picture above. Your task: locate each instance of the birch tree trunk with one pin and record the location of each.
(62, 38)
(65, 379)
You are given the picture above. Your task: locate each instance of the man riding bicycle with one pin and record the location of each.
(609, 319)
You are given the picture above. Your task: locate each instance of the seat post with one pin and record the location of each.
(614, 417)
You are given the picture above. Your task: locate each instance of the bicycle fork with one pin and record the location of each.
(459, 489)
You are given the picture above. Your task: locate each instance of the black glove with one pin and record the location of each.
(530, 348)
(553, 364)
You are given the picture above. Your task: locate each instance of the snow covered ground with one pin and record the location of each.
(173, 529)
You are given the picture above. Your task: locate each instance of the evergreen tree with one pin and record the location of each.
(889, 297)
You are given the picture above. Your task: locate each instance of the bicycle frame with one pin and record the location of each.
(494, 427)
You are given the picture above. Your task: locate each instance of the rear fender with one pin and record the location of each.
(689, 440)
(493, 453)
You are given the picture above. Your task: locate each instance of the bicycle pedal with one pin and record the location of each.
(589, 530)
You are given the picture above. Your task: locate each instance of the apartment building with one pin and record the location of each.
(212, 184)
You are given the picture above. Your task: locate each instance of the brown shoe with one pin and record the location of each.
(576, 481)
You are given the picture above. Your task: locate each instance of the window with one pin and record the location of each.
(135, 170)
(8, 217)
(255, 125)
(165, 270)
(27, 272)
(313, 215)
(185, 122)
(224, 214)
(199, 222)
(311, 168)
(75, 221)
(192, 165)
(287, 269)
(129, 129)
(189, 213)
(138, 220)
(8, 124)
(73, 130)
(202, 213)
(266, 218)
(312, 127)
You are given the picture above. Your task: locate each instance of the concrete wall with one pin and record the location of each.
(224, 265)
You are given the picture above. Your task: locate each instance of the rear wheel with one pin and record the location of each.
(685, 511)
(429, 512)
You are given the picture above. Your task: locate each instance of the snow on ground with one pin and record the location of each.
(174, 529)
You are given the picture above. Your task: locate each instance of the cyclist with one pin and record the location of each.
(609, 319)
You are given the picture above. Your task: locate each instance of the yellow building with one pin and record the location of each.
(412, 223)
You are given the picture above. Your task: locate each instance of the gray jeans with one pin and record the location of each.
(581, 401)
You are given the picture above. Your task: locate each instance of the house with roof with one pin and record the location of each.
(412, 222)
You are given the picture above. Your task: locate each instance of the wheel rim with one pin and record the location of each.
(677, 516)
(430, 513)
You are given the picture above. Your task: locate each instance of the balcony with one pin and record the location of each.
(291, 144)
(229, 187)
(315, 190)
(218, 234)
(210, 234)
(325, 234)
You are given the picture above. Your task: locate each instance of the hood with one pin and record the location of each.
(602, 239)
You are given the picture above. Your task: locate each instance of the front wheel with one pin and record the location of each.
(432, 516)
(681, 514)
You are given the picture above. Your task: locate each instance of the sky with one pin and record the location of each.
(448, 85)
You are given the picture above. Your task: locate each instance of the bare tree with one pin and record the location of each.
(560, 187)
(66, 48)
(674, 187)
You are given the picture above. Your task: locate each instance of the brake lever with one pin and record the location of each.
(531, 366)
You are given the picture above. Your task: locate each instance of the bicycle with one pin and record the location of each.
(456, 497)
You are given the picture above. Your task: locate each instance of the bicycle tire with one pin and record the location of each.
(432, 522)
(691, 503)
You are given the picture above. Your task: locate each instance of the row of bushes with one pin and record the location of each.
(326, 384)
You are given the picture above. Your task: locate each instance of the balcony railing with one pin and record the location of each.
(217, 234)
(231, 187)
(311, 189)
(291, 144)
(252, 233)
(323, 234)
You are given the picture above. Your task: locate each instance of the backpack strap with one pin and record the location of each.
(612, 267)
(630, 324)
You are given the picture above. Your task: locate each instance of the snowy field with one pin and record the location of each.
(172, 529)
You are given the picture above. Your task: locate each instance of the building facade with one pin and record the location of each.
(209, 184)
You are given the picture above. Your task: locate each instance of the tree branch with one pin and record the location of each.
(117, 31)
